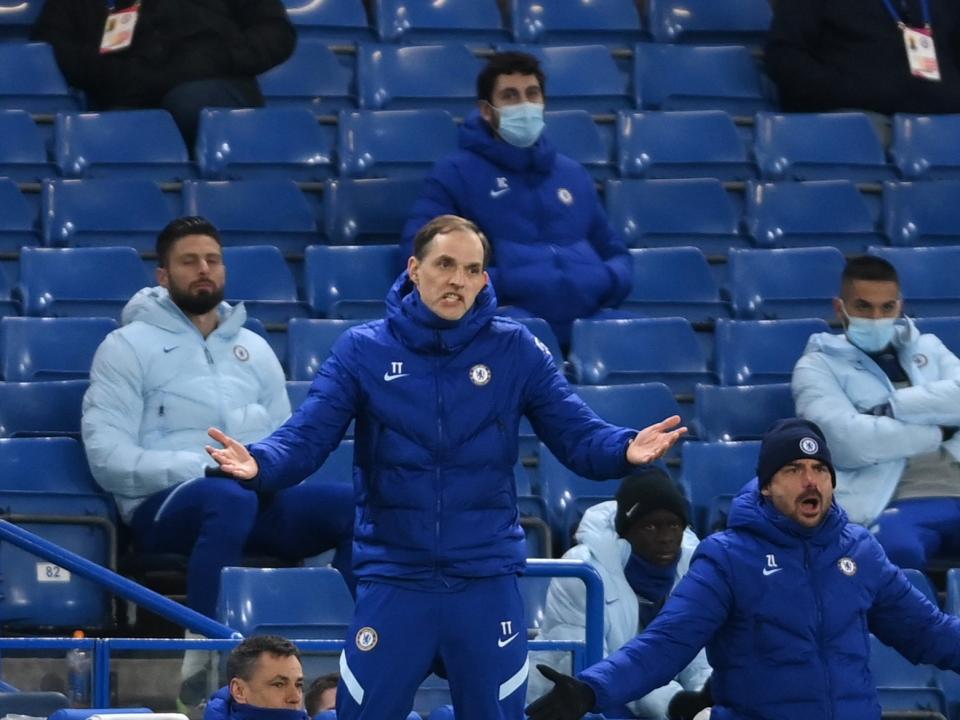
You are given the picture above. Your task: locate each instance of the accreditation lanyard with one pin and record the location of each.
(119, 27)
(918, 42)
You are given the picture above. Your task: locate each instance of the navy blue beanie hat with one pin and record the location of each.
(647, 489)
(788, 440)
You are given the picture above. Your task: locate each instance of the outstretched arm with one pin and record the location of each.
(234, 458)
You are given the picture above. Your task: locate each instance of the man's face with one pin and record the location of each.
(276, 682)
(870, 299)
(656, 536)
(511, 89)
(450, 274)
(194, 275)
(802, 490)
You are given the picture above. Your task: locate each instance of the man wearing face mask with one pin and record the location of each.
(888, 401)
(555, 255)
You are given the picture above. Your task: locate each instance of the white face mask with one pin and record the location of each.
(870, 335)
(520, 124)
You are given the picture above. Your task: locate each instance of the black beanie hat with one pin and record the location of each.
(788, 440)
(646, 490)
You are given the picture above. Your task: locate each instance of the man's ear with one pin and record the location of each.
(163, 277)
(838, 310)
(488, 113)
(413, 270)
(765, 490)
(486, 278)
(238, 691)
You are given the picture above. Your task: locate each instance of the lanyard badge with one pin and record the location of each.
(918, 43)
(118, 29)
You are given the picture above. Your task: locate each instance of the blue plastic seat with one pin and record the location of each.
(313, 77)
(574, 133)
(16, 20)
(350, 281)
(330, 21)
(790, 283)
(309, 343)
(725, 413)
(125, 144)
(394, 143)
(671, 282)
(23, 153)
(927, 278)
(926, 147)
(367, 211)
(945, 328)
(805, 214)
(695, 143)
(86, 282)
(680, 77)
(338, 467)
(267, 211)
(391, 77)
(709, 21)
(105, 213)
(279, 142)
(714, 470)
(411, 21)
(611, 22)
(36, 704)
(609, 352)
(635, 406)
(668, 213)
(756, 352)
(258, 276)
(50, 348)
(17, 218)
(819, 146)
(31, 80)
(29, 409)
(8, 306)
(922, 213)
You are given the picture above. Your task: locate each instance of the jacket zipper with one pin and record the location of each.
(438, 480)
(818, 599)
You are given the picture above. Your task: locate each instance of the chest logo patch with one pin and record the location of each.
(480, 375)
(920, 360)
(241, 353)
(367, 639)
(847, 566)
(566, 197)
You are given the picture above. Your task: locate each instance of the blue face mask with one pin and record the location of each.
(870, 335)
(521, 124)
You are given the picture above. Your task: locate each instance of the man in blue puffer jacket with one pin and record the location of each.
(437, 390)
(555, 255)
(784, 601)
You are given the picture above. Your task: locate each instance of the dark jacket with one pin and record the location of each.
(785, 613)
(222, 707)
(175, 41)
(827, 55)
(437, 407)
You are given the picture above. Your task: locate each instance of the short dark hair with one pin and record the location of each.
(508, 63)
(243, 658)
(870, 268)
(180, 228)
(443, 224)
(311, 698)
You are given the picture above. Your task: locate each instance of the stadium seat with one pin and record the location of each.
(34, 703)
(338, 467)
(791, 283)
(367, 211)
(30, 409)
(393, 143)
(805, 214)
(634, 406)
(23, 153)
(279, 142)
(262, 211)
(50, 348)
(926, 147)
(17, 218)
(350, 281)
(819, 146)
(903, 685)
(671, 282)
(124, 144)
(922, 213)
(756, 352)
(709, 21)
(313, 77)
(611, 22)
(105, 213)
(730, 413)
(16, 21)
(534, 593)
(611, 352)
(945, 328)
(574, 133)
(712, 470)
(696, 143)
(89, 282)
(927, 278)
(258, 276)
(443, 77)
(411, 21)
(309, 343)
(330, 21)
(8, 306)
(30, 79)
(668, 213)
(680, 77)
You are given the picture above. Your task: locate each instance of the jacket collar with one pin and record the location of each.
(153, 305)
(752, 512)
(477, 136)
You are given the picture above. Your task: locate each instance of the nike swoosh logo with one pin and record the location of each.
(498, 193)
(388, 377)
(504, 643)
(771, 571)
(172, 347)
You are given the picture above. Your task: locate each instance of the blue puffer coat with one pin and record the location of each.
(222, 707)
(785, 613)
(554, 252)
(438, 406)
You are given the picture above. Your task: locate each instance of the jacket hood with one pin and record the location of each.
(477, 136)
(752, 512)
(419, 328)
(597, 530)
(905, 333)
(222, 707)
(153, 305)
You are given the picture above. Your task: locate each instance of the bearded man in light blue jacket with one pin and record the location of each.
(888, 400)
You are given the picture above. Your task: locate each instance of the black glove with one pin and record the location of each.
(687, 703)
(570, 699)
(947, 432)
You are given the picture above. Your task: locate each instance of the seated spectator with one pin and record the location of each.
(555, 255)
(178, 55)
(856, 55)
(182, 362)
(322, 694)
(888, 400)
(641, 546)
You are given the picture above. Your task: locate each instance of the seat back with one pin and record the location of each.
(926, 274)
(612, 22)
(50, 348)
(329, 21)
(926, 147)
(258, 273)
(754, 352)
(922, 213)
(370, 210)
(313, 77)
(409, 21)
(574, 133)
(30, 79)
(945, 328)
(394, 143)
(711, 470)
(634, 405)
(31, 409)
(309, 343)
(17, 218)
(709, 21)
(23, 153)
(350, 281)
(670, 282)
(732, 413)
